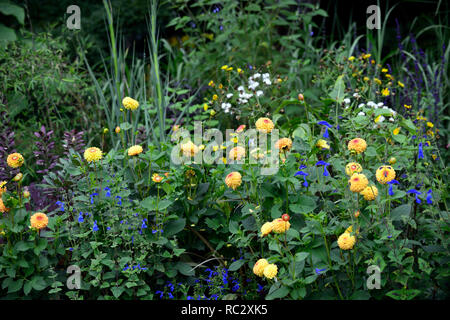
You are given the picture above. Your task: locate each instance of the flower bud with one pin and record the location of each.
(18, 177)
(117, 130)
(285, 217)
(105, 130)
(301, 97)
(26, 194)
(392, 160)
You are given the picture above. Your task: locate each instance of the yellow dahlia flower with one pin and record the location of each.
(266, 228)
(130, 103)
(370, 193)
(134, 150)
(357, 144)
(237, 153)
(322, 144)
(233, 180)
(259, 266)
(39, 220)
(270, 271)
(2, 188)
(92, 154)
(15, 160)
(284, 144)
(3, 209)
(385, 174)
(352, 167)
(346, 241)
(280, 226)
(189, 149)
(264, 125)
(358, 182)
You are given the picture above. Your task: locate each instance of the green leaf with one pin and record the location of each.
(117, 291)
(236, 265)
(10, 9)
(304, 205)
(185, 269)
(15, 286)
(174, 226)
(338, 92)
(300, 256)
(278, 293)
(400, 211)
(38, 283)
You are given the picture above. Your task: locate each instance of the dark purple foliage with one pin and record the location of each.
(45, 155)
(73, 140)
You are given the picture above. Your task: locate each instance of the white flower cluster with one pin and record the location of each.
(226, 107)
(371, 104)
(243, 96)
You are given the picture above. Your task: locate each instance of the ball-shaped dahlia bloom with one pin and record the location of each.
(134, 150)
(353, 167)
(358, 182)
(270, 271)
(15, 160)
(280, 226)
(233, 180)
(323, 144)
(266, 229)
(284, 144)
(92, 154)
(385, 174)
(264, 125)
(189, 149)
(358, 145)
(39, 220)
(346, 241)
(3, 209)
(237, 153)
(259, 266)
(130, 103)
(370, 193)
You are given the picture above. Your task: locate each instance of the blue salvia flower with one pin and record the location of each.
(390, 183)
(143, 226)
(92, 197)
(95, 227)
(59, 203)
(214, 297)
(120, 200)
(416, 193)
(126, 267)
(429, 197)
(420, 151)
(325, 164)
(108, 192)
(80, 217)
(327, 125)
(189, 298)
(160, 293)
(170, 295)
(260, 288)
(319, 271)
(304, 174)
